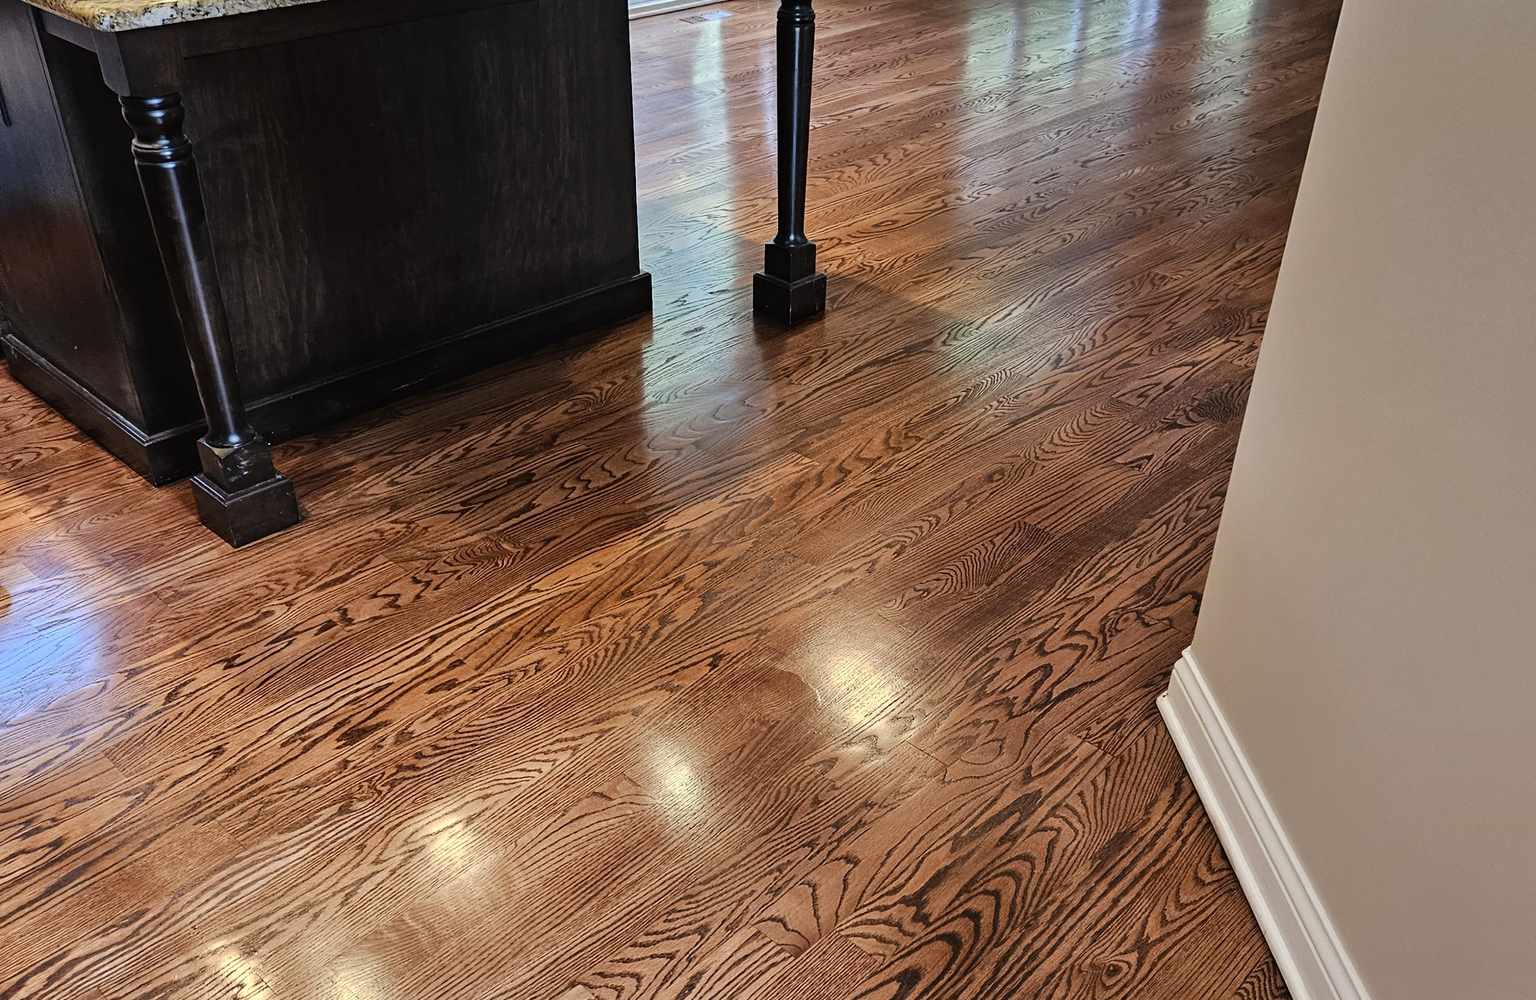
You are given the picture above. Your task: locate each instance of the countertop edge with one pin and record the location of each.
(114, 16)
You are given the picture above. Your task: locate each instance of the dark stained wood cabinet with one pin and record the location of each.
(397, 192)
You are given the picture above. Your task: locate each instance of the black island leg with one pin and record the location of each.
(239, 494)
(791, 289)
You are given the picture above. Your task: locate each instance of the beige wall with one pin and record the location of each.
(1369, 628)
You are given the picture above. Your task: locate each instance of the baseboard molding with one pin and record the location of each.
(1305, 944)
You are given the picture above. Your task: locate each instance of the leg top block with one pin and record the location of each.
(790, 263)
(237, 468)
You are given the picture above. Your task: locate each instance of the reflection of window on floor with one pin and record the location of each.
(641, 8)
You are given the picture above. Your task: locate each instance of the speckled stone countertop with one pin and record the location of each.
(125, 15)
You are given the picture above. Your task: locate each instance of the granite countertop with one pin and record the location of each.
(125, 15)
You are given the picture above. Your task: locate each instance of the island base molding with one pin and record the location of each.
(167, 456)
(161, 457)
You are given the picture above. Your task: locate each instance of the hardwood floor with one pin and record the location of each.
(697, 659)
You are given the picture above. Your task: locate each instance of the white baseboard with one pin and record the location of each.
(645, 8)
(1306, 947)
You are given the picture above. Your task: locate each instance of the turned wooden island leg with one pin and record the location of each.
(790, 288)
(239, 493)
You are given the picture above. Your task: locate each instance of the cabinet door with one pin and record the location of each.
(53, 291)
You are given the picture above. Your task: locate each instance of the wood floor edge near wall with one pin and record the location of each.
(1307, 947)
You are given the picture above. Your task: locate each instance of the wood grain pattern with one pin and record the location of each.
(698, 659)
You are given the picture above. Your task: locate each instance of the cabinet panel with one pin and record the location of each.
(53, 292)
(460, 169)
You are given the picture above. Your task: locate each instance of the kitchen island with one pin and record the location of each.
(316, 206)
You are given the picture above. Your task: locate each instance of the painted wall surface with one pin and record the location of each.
(1369, 625)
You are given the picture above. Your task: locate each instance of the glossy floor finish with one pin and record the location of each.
(699, 659)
